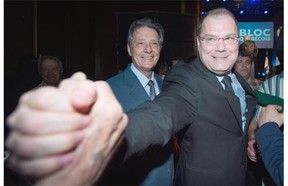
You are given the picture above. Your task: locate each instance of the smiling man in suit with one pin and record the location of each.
(131, 88)
(213, 148)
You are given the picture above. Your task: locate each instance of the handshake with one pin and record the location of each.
(65, 135)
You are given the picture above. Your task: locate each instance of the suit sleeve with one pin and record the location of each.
(270, 143)
(154, 122)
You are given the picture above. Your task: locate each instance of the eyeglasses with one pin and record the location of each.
(210, 40)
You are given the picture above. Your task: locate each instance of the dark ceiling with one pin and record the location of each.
(253, 9)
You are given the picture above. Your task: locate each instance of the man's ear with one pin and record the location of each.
(198, 42)
(129, 50)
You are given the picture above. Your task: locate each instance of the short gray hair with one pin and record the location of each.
(145, 22)
(43, 58)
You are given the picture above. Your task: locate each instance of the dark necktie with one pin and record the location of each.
(152, 92)
(227, 82)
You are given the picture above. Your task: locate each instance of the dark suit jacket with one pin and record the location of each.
(128, 89)
(270, 143)
(154, 167)
(213, 149)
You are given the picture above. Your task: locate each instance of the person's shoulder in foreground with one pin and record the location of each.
(270, 141)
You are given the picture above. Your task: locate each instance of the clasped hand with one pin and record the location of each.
(65, 135)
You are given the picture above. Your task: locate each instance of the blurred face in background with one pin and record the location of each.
(243, 66)
(145, 50)
(251, 48)
(51, 72)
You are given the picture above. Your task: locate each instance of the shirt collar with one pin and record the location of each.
(142, 78)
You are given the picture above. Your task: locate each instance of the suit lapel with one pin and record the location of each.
(136, 91)
(250, 97)
(159, 81)
(235, 106)
(232, 100)
(249, 91)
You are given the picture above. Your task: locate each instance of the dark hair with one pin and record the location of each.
(43, 58)
(245, 53)
(145, 22)
(215, 13)
(246, 43)
(174, 61)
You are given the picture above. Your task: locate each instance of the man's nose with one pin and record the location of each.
(148, 48)
(220, 46)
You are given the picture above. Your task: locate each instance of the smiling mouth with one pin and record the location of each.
(148, 58)
(220, 57)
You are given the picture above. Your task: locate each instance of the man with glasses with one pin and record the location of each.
(212, 104)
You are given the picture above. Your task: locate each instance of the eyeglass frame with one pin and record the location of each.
(216, 39)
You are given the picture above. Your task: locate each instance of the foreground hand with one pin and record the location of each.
(43, 130)
(271, 114)
(101, 139)
(48, 125)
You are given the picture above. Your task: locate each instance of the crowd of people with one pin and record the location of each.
(123, 130)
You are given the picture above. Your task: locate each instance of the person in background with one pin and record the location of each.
(270, 141)
(205, 98)
(271, 92)
(244, 66)
(247, 71)
(174, 61)
(121, 68)
(250, 46)
(162, 69)
(50, 69)
(131, 88)
(278, 46)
